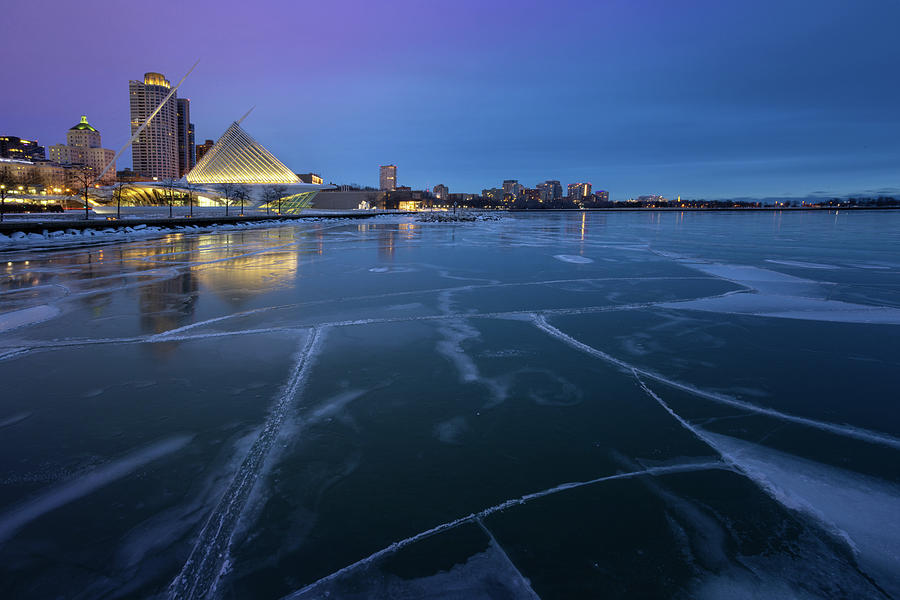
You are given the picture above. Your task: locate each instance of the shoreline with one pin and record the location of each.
(41, 224)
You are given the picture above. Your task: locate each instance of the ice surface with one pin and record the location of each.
(15, 519)
(448, 384)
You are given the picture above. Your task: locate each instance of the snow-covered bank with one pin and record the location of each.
(92, 235)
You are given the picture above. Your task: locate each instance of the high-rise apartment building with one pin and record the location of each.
(579, 191)
(387, 178)
(187, 155)
(550, 190)
(154, 154)
(83, 147)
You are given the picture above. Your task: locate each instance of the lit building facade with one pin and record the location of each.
(83, 147)
(387, 178)
(311, 178)
(512, 187)
(154, 154)
(187, 155)
(579, 191)
(16, 148)
(493, 196)
(202, 149)
(441, 192)
(35, 176)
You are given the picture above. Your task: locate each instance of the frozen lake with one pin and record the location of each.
(568, 405)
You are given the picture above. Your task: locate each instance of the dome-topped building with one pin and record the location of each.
(83, 147)
(83, 135)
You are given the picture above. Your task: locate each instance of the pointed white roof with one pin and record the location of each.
(238, 158)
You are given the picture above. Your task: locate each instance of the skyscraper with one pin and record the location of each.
(155, 152)
(387, 178)
(186, 152)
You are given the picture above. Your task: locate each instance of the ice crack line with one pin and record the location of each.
(173, 334)
(858, 433)
(523, 581)
(474, 517)
(204, 565)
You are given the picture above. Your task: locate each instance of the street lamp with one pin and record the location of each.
(2, 200)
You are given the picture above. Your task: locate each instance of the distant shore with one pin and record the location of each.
(703, 209)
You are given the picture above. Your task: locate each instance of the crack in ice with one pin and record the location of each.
(858, 433)
(662, 470)
(208, 559)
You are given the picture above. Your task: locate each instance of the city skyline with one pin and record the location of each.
(751, 107)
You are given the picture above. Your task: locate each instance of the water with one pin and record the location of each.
(554, 405)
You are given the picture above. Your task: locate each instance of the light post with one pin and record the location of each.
(2, 200)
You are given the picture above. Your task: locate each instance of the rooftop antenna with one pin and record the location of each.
(147, 122)
(246, 114)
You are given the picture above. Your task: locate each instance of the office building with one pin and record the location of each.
(187, 155)
(387, 178)
(441, 192)
(154, 154)
(18, 149)
(83, 148)
(202, 149)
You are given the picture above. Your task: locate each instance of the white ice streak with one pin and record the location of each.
(792, 307)
(208, 558)
(652, 471)
(804, 265)
(60, 495)
(779, 295)
(572, 258)
(455, 332)
(27, 316)
(334, 405)
(865, 435)
(862, 510)
(14, 419)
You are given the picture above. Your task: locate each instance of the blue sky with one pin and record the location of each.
(702, 99)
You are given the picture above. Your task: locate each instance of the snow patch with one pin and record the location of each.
(572, 258)
(27, 316)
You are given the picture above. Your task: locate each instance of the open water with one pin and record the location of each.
(565, 405)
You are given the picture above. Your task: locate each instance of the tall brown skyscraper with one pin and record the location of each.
(387, 178)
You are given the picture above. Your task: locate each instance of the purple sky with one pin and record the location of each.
(702, 99)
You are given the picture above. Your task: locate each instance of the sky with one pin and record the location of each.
(702, 99)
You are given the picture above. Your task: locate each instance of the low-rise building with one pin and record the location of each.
(20, 149)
